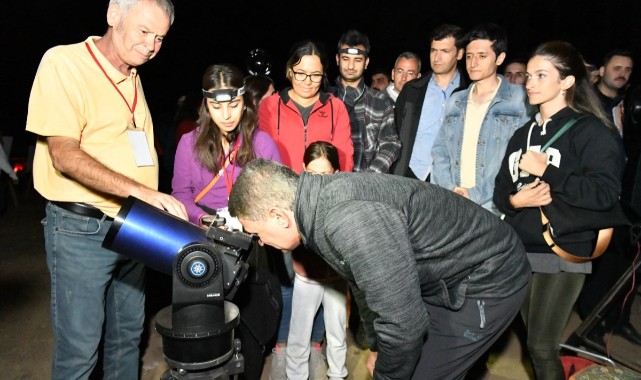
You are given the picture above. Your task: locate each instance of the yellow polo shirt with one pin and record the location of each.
(72, 97)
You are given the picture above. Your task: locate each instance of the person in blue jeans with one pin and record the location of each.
(95, 149)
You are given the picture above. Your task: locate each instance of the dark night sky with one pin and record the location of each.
(216, 31)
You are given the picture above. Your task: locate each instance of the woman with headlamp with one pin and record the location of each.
(208, 161)
(210, 158)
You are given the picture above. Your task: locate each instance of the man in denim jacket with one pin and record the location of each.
(479, 121)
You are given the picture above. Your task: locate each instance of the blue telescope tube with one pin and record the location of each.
(150, 235)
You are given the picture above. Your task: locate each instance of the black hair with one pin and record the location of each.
(352, 38)
(320, 149)
(301, 49)
(520, 60)
(621, 52)
(380, 70)
(448, 30)
(208, 148)
(490, 32)
(257, 85)
(567, 60)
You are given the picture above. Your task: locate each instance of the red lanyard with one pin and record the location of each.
(229, 180)
(132, 108)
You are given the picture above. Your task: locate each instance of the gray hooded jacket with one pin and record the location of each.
(401, 244)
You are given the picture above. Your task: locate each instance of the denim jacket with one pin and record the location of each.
(507, 112)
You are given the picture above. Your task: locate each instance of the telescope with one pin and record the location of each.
(207, 267)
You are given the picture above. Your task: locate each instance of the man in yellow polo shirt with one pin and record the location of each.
(95, 148)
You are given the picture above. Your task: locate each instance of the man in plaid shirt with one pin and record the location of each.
(371, 113)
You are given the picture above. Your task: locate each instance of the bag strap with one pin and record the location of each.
(561, 131)
(215, 179)
(603, 239)
(602, 242)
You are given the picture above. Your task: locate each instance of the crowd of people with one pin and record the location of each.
(419, 198)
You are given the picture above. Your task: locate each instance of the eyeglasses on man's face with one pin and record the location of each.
(409, 73)
(301, 77)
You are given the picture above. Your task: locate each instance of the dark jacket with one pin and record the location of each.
(407, 114)
(401, 244)
(585, 170)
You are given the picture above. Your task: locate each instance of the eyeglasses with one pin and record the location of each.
(409, 73)
(301, 77)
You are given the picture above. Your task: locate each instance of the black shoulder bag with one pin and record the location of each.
(559, 218)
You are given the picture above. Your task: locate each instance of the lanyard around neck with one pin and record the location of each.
(229, 179)
(131, 108)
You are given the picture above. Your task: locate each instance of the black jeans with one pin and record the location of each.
(546, 310)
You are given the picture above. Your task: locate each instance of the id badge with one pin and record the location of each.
(142, 153)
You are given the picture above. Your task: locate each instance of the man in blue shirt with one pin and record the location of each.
(421, 103)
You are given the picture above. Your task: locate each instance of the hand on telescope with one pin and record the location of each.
(70, 159)
(162, 201)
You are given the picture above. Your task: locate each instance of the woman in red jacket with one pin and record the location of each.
(302, 114)
(295, 118)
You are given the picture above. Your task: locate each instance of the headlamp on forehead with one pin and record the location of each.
(352, 51)
(225, 95)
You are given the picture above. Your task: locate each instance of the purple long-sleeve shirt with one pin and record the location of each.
(191, 177)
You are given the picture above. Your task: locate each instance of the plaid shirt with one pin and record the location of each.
(371, 115)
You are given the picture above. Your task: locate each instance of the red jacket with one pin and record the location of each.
(328, 121)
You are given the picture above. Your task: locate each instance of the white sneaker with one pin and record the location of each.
(317, 363)
(278, 363)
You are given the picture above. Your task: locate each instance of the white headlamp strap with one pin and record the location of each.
(226, 95)
(352, 51)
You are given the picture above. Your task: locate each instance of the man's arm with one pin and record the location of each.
(442, 161)
(72, 161)
(389, 145)
(343, 136)
(482, 194)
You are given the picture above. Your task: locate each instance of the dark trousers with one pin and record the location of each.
(546, 311)
(606, 271)
(457, 339)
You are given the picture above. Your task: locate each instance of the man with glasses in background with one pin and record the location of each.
(406, 68)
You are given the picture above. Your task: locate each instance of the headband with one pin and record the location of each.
(224, 95)
(352, 51)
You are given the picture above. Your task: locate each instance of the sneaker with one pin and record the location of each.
(317, 363)
(278, 363)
